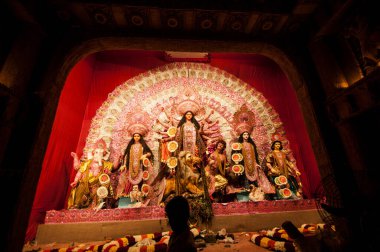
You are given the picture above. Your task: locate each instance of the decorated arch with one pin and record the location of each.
(168, 91)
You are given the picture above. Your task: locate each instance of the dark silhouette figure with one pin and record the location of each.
(178, 213)
(321, 243)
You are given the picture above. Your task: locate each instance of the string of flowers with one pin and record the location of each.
(277, 239)
(268, 243)
(128, 244)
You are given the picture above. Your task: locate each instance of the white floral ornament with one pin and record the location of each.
(145, 175)
(104, 179)
(238, 169)
(102, 192)
(237, 157)
(172, 146)
(145, 188)
(281, 180)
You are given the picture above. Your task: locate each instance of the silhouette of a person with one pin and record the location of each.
(178, 213)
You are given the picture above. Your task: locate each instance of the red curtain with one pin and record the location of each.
(92, 79)
(57, 165)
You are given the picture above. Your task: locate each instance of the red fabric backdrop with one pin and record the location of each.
(92, 79)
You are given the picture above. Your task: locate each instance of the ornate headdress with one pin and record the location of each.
(244, 120)
(138, 122)
(137, 128)
(101, 144)
(189, 102)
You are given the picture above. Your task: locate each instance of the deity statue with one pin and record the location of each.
(188, 174)
(84, 191)
(282, 172)
(136, 164)
(137, 168)
(183, 176)
(182, 148)
(188, 136)
(216, 169)
(256, 193)
(245, 156)
(135, 194)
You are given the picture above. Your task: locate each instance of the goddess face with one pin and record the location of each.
(245, 135)
(136, 137)
(188, 115)
(277, 146)
(220, 146)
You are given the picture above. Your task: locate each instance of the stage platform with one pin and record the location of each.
(90, 225)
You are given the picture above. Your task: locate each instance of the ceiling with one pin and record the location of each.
(233, 19)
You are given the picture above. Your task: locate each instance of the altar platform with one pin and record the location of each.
(91, 225)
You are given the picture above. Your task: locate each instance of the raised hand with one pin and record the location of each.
(76, 162)
(122, 168)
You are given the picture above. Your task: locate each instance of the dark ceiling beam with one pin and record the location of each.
(336, 22)
(276, 6)
(20, 12)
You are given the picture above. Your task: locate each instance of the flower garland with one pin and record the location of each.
(278, 240)
(127, 244)
(266, 242)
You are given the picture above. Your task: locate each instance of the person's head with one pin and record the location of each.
(178, 213)
(220, 146)
(276, 145)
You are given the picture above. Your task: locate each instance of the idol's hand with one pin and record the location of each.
(122, 168)
(74, 184)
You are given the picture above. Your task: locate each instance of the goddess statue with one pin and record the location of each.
(283, 173)
(188, 136)
(245, 155)
(182, 171)
(136, 168)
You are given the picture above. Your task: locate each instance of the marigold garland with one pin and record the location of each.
(266, 242)
(277, 239)
(125, 244)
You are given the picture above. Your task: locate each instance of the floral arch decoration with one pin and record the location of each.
(152, 98)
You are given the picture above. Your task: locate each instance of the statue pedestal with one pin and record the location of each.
(83, 225)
